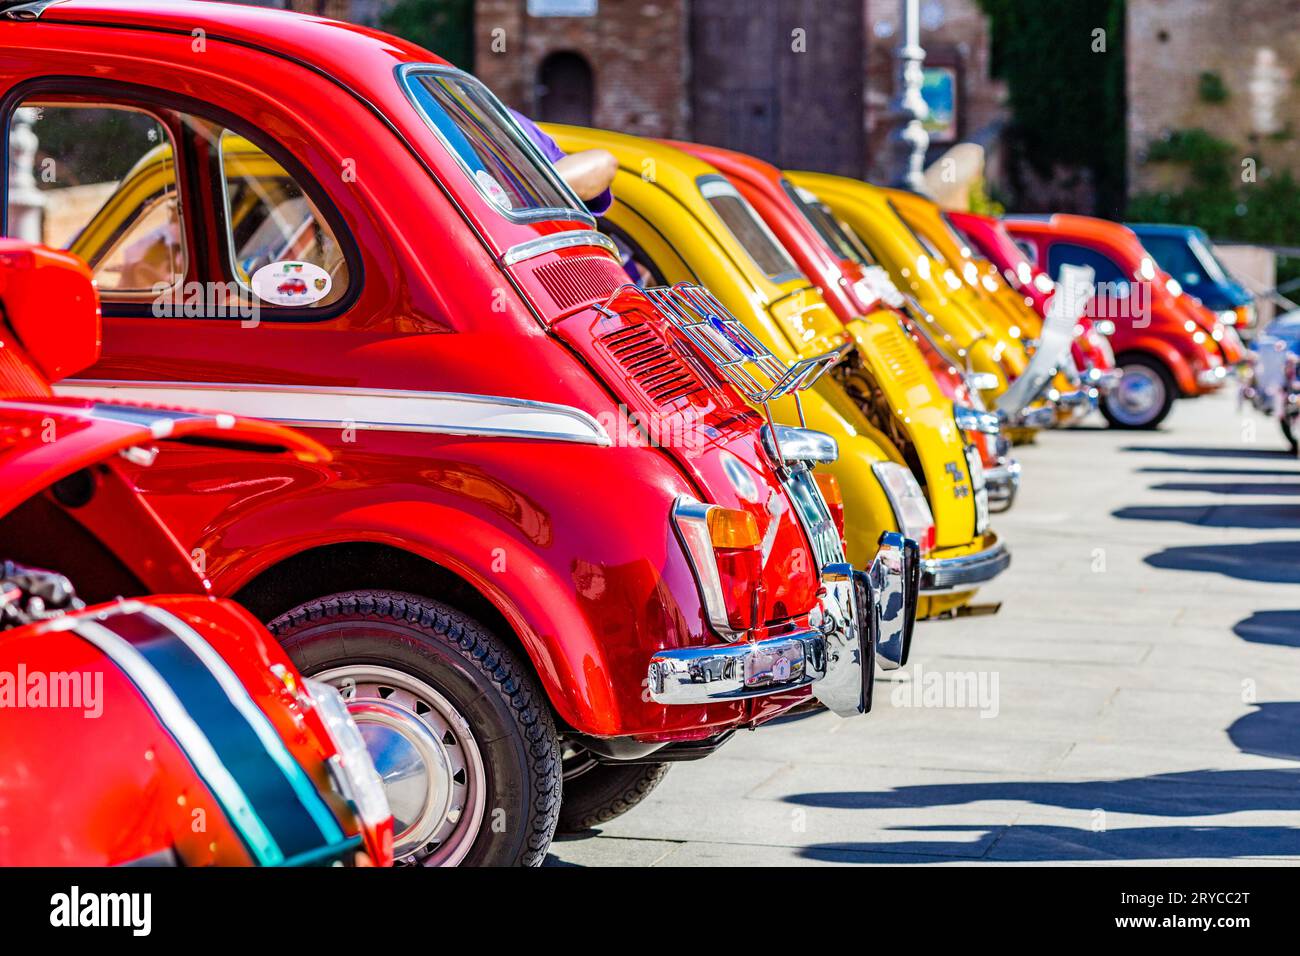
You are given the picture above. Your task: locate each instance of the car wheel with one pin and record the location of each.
(595, 793)
(1144, 395)
(460, 732)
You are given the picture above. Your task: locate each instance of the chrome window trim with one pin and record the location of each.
(405, 71)
(558, 240)
(582, 428)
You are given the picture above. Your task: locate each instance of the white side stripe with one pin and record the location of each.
(446, 413)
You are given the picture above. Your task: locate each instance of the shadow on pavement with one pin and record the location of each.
(1067, 844)
(1281, 515)
(1190, 451)
(1246, 472)
(1270, 627)
(1270, 562)
(1273, 730)
(1233, 488)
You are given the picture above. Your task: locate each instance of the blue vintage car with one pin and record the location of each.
(1186, 253)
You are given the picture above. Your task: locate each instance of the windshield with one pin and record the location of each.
(750, 231)
(488, 144)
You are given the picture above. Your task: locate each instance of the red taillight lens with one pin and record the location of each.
(725, 549)
(830, 489)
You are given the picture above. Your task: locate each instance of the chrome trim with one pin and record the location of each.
(420, 409)
(577, 212)
(1103, 381)
(973, 420)
(790, 446)
(982, 381)
(1042, 416)
(864, 618)
(964, 572)
(568, 239)
(700, 675)
(1003, 481)
(1212, 377)
(894, 576)
(27, 11)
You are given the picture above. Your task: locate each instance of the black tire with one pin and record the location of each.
(606, 791)
(495, 693)
(1153, 370)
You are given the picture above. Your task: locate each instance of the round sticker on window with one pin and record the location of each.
(291, 282)
(493, 189)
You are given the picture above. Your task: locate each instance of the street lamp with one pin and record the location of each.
(909, 140)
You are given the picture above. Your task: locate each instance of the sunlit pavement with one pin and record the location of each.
(1141, 687)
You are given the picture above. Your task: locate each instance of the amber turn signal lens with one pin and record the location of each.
(830, 489)
(733, 530)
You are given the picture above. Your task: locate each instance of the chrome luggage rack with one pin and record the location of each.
(740, 357)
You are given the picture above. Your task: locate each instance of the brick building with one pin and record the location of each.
(1225, 67)
(804, 83)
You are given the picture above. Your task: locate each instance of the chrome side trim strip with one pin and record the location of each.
(558, 240)
(393, 410)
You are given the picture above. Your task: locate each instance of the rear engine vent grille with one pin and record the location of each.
(899, 359)
(659, 371)
(576, 281)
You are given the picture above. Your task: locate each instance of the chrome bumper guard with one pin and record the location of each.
(965, 572)
(1104, 382)
(1042, 416)
(1212, 377)
(1002, 482)
(866, 617)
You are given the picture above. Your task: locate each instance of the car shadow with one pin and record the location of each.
(1199, 452)
(1244, 472)
(1232, 488)
(1259, 516)
(1281, 628)
(1270, 730)
(1270, 562)
(1061, 844)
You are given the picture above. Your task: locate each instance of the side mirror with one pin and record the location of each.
(49, 301)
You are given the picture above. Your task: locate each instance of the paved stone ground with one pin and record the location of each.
(1147, 659)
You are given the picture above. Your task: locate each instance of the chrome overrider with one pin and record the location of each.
(865, 617)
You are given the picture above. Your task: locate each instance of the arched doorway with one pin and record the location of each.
(565, 89)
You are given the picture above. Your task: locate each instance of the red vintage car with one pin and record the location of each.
(143, 729)
(551, 526)
(1166, 345)
(855, 288)
(1092, 354)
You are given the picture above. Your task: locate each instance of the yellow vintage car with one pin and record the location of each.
(903, 462)
(1008, 314)
(133, 243)
(942, 296)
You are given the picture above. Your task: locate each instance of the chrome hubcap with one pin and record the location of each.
(426, 756)
(1139, 397)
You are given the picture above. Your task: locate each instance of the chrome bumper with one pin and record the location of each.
(1104, 382)
(865, 617)
(1212, 377)
(965, 572)
(1002, 482)
(1042, 416)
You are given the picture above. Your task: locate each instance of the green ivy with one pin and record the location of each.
(1265, 212)
(444, 27)
(1068, 102)
(1211, 88)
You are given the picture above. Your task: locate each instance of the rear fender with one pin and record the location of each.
(1164, 351)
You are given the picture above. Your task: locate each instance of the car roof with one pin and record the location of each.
(359, 57)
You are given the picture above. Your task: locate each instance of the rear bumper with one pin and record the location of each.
(964, 572)
(1038, 416)
(1103, 381)
(866, 616)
